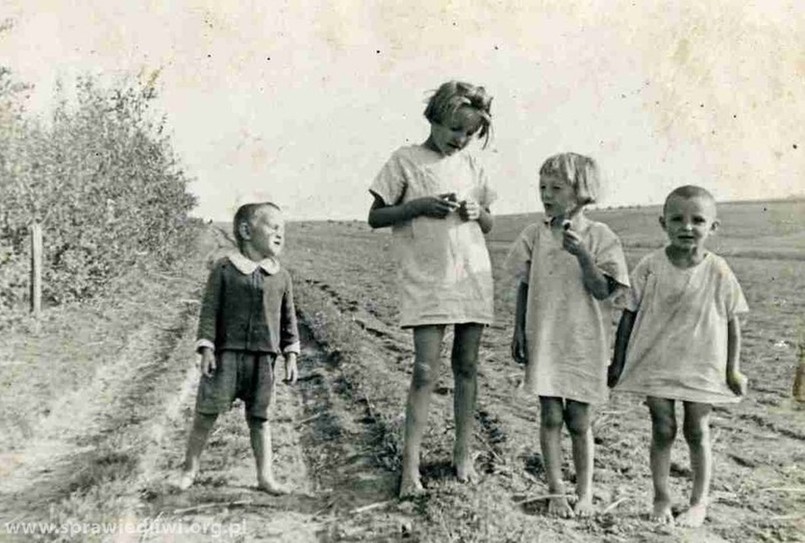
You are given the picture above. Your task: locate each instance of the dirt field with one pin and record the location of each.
(97, 401)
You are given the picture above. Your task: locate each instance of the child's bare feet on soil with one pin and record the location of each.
(411, 488)
(273, 487)
(465, 470)
(693, 517)
(186, 480)
(584, 507)
(558, 507)
(662, 512)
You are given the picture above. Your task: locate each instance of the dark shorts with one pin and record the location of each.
(238, 374)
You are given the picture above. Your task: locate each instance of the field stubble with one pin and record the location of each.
(347, 272)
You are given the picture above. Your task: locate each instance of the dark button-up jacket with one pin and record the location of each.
(248, 311)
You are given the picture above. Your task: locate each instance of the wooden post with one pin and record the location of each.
(36, 269)
(799, 377)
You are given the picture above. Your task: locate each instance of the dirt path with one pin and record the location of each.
(109, 450)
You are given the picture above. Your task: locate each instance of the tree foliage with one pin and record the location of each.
(100, 176)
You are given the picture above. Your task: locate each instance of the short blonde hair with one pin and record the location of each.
(452, 96)
(580, 171)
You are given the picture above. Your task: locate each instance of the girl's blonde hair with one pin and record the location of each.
(452, 96)
(578, 170)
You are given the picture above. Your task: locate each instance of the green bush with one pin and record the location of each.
(100, 176)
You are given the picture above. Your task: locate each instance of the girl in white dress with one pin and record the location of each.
(435, 196)
(568, 267)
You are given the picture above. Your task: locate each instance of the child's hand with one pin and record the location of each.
(291, 372)
(207, 362)
(469, 210)
(614, 373)
(737, 382)
(519, 352)
(572, 243)
(433, 206)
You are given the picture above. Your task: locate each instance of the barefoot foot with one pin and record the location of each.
(465, 470)
(694, 516)
(186, 480)
(558, 507)
(410, 487)
(662, 512)
(584, 507)
(273, 487)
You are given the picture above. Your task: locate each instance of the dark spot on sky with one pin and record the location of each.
(377, 51)
(268, 58)
(701, 105)
(735, 116)
(795, 146)
(496, 48)
(209, 55)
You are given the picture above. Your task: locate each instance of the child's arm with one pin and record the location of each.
(519, 348)
(208, 320)
(382, 215)
(736, 380)
(621, 342)
(289, 333)
(596, 282)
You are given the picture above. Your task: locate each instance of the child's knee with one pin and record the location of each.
(464, 368)
(256, 423)
(578, 424)
(695, 432)
(425, 376)
(551, 415)
(663, 430)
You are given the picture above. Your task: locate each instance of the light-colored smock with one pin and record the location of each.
(445, 275)
(678, 346)
(568, 332)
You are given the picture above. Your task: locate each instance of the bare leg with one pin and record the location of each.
(260, 436)
(577, 419)
(663, 432)
(427, 344)
(202, 426)
(696, 429)
(464, 362)
(550, 436)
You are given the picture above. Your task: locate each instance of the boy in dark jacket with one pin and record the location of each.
(247, 320)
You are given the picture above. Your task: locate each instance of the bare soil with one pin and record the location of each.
(98, 400)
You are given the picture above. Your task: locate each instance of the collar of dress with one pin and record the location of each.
(246, 266)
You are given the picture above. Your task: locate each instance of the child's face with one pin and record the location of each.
(557, 194)
(689, 221)
(454, 133)
(266, 232)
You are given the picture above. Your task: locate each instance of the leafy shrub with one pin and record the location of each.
(102, 179)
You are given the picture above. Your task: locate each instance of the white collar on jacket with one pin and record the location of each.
(246, 266)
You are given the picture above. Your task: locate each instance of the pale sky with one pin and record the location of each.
(301, 102)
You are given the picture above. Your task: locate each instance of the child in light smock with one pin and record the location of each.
(436, 198)
(568, 267)
(679, 339)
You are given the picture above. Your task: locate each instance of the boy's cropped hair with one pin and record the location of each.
(245, 213)
(453, 95)
(581, 171)
(687, 192)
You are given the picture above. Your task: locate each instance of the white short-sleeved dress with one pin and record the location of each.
(567, 330)
(445, 275)
(678, 346)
